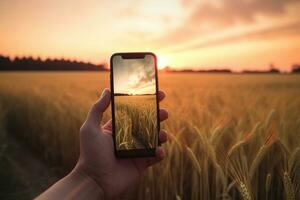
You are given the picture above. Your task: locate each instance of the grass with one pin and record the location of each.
(136, 121)
(231, 136)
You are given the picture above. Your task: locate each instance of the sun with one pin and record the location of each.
(162, 62)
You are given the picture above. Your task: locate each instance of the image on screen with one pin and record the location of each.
(135, 103)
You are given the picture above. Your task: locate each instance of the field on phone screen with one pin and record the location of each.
(231, 136)
(136, 121)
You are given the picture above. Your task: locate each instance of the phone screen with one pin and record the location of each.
(135, 106)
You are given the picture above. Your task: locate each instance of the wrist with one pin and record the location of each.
(85, 179)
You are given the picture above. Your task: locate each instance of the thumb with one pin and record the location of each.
(95, 114)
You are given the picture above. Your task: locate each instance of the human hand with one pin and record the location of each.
(97, 160)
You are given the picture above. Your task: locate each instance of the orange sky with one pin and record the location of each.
(237, 34)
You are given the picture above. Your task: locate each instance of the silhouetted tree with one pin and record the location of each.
(296, 68)
(5, 63)
(273, 69)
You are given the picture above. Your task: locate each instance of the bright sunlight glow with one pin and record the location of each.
(162, 62)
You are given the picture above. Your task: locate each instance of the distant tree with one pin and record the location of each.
(273, 69)
(5, 63)
(296, 68)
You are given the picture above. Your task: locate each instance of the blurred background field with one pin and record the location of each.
(231, 136)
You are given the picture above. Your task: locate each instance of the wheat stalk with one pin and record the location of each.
(257, 160)
(178, 197)
(288, 186)
(268, 184)
(235, 147)
(194, 159)
(244, 191)
(294, 160)
(269, 118)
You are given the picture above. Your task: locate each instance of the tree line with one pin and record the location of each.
(31, 64)
(272, 70)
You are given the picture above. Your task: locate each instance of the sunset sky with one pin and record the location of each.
(236, 34)
(134, 76)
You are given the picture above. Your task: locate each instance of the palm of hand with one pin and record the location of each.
(113, 175)
(97, 158)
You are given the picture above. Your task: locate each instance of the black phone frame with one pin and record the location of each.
(133, 152)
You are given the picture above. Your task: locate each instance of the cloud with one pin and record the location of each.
(230, 12)
(210, 16)
(145, 75)
(285, 29)
(130, 10)
(142, 74)
(186, 3)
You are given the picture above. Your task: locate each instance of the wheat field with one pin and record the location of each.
(231, 136)
(136, 122)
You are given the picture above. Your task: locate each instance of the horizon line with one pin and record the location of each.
(165, 68)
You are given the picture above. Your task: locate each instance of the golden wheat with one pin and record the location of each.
(231, 136)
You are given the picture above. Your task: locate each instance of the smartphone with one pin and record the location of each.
(135, 107)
